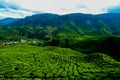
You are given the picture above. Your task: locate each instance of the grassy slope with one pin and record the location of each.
(25, 61)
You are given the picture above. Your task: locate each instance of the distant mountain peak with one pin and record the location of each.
(7, 20)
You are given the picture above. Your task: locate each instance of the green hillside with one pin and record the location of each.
(107, 45)
(23, 61)
(60, 47)
(70, 25)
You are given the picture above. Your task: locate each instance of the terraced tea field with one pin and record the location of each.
(25, 62)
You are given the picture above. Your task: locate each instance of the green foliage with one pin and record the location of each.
(71, 25)
(23, 61)
(107, 45)
(49, 30)
(90, 34)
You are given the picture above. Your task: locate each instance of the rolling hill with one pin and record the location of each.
(31, 62)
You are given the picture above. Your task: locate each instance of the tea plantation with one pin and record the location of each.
(26, 62)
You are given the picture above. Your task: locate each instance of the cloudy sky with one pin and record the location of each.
(22, 8)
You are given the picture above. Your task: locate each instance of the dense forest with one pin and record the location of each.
(70, 25)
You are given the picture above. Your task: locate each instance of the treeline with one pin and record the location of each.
(48, 32)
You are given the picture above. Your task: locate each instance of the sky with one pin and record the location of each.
(23, 8)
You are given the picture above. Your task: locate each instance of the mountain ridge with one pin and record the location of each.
(69, 25)
(7, 21)
(73, 20)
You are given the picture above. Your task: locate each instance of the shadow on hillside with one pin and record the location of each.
(106, 45)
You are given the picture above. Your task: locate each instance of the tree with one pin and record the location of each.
(62, 35)
(49, 30)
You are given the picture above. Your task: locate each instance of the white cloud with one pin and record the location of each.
(14, 13)
(64, 6)
(56, 6)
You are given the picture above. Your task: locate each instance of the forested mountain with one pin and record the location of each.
(7, 21)
(70, 25)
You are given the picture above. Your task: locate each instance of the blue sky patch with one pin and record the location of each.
(115, 9)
